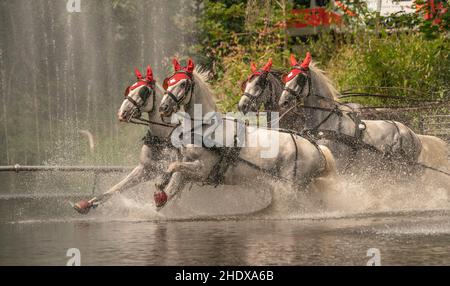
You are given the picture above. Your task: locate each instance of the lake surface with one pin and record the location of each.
(402, 239)
(408, 225)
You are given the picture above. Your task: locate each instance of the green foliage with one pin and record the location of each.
(219, 23)
(401, 60)
(235, 33)
(402, 51)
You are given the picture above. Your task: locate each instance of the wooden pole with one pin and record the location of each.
(97, 169)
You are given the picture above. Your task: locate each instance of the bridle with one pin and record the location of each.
(262, 83)
(301, 80)
(144, 94)
(306, 76)
(189, 90)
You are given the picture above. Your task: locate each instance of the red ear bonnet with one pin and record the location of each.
(296, 70)
(149, 76)
(267, 67)
(138, 74)
(176, 65)
(253, 67)
(140, 80)
(293, 60)
(306, 61)
(190, 66)
(177, 76)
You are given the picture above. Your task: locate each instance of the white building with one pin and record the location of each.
(388, 7)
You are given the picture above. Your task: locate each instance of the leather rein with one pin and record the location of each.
(144, 96)
(335, 110)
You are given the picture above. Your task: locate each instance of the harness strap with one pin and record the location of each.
(358, 122)
(336, 110)
(433, 169)
(290, 90)
(132, 101)
(263, 170)
(399, 134)
(391, 147)
(305, 134)
(146, 122)
(296, 156)
(250, 97)
(174, 98)
(190, 91)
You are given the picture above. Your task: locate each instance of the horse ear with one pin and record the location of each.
(149, 76)
(267, 66)
(176, 64)
(306, 61)
(190, 66)
(293, 60)
(253, 67)
(138, 74)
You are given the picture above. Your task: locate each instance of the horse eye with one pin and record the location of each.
(183, 84)
(144, 92)
(302, 80)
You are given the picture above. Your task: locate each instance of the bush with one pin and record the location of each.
(366, 54)
(405, 60)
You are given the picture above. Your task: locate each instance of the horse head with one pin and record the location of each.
(139, 97)
(179, 88)
(253, 88)
(296, 82)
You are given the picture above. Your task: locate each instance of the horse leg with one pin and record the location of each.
(174, 179)
(142, 173)
(325, 184)
(434, 152)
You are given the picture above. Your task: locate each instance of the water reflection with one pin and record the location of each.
(244, 242)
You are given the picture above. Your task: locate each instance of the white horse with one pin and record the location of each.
(263, 89)
(156, 151)
(296, 160)
(350, 139)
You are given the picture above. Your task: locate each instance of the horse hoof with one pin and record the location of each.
(160, 199)
(159, 187)
(83, 207)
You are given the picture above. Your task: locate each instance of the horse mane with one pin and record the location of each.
(201, 78)
(277, 73)
(277, 83)
(321, 77)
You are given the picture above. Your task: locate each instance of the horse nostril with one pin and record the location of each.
(163, 108)
(122, 116)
